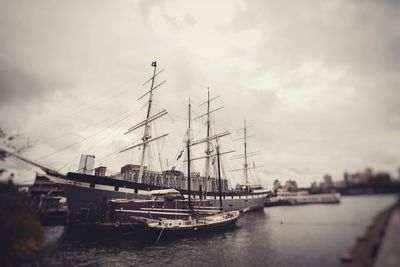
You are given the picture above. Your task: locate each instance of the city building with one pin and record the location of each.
(86, 164)
(291, 185)
(327, 183)
(100, 171)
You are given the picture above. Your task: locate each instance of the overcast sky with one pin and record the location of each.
(318, 81)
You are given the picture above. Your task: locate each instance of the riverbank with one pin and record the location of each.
(379, 245)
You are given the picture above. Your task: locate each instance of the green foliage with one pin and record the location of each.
(21, 234)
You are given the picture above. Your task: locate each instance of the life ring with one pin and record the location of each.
(117, 224)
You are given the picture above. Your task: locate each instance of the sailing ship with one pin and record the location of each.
(88, 194)
(190, 222)
(247, 185)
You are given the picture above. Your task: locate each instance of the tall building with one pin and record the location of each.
(328, 183)
(131, 172)
(291, 185)
(362, 177)
(129, 168)
(100, 171)
(346, 178)
(86, 164)
(276, 185)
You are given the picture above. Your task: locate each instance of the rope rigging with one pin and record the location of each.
(43, 141)
(102, 96)
(88, 137)
(106, 136)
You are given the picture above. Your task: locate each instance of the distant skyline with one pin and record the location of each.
(317, 80)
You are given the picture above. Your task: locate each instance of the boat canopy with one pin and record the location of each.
(162, 192)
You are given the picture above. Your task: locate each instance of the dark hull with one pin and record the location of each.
(106, 231)
(201, 229)
(88, 196)
(87, 205)
(48, 218)
(141, 232)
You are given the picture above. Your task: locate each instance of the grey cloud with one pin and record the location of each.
(18, 84)
(363, 34)
(147, 7)
(320, 85)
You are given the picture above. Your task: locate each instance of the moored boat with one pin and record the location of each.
(219, 221)
(88, 194)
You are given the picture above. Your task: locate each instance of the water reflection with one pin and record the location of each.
(313, 235)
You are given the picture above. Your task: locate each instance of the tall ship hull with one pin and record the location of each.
(88, 195)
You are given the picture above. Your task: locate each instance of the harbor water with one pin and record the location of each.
(308, 235)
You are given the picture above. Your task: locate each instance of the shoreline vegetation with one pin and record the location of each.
(21, 234)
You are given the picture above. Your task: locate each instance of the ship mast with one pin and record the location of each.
(209, 151)
(208, 143)
(245, 165)
(188, 158)
(208, 138)
(147, 138)
(245, 155)
(219, 178)
(146, 131)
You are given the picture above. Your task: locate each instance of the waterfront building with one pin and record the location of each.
(86, 164)
(100, 171)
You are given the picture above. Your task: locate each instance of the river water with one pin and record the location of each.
(309, 235)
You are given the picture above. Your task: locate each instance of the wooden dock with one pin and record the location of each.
(292, 200)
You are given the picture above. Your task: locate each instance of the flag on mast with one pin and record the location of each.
(154, 64)
(180, 155)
